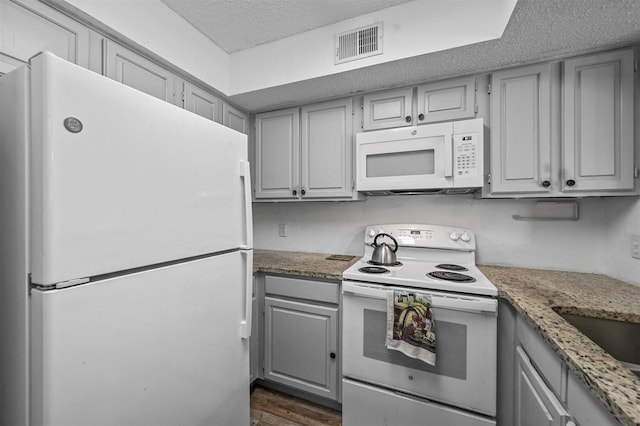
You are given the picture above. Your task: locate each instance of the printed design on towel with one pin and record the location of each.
(410, 325)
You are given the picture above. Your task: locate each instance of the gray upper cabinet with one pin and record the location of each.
(598, 115)
(446, 100)
(130, 68)
(521, 130)
(392, 108)
(277, 154)
(201, 102)
(305, 154)
(235, 119)
(439, 101)
(28, 27)
(564, 128)
(327, 150)
(8, 63)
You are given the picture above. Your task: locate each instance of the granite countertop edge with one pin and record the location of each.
(534, 293)
(540, 295)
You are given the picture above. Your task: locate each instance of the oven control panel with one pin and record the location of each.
(425, 236)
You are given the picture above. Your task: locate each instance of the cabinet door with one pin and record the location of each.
(521, 130)
(28, 27)
(327, 150)
(235, 119)
(201, 102)
(301, 345)
(8, 63)
(131, 69)
(447, 100)
(536, 405)
(278, 154)
(598, 122)
(391, 108)
(583, 405)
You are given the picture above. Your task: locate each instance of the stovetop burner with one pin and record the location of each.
(452, 276)
(451, 267)
(373, 262)
(373, 270)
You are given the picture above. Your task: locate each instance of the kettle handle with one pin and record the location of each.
(385, 235)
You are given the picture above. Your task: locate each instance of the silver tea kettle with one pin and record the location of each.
(383, 254)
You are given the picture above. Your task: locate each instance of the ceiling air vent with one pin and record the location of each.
(359, 43)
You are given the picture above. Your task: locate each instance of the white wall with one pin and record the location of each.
(622, 216)
(585, 245)
(155, 26)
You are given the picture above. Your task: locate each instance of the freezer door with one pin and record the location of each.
(123, 180)
(160, 347)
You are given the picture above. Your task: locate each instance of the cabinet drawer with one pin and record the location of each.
(318, 291)
(541, 355)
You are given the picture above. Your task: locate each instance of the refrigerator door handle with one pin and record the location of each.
(245, 324)
(245, 173)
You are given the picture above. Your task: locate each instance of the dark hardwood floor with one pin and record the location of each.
(271, 408)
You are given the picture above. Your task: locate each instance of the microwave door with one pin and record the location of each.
(423, 161)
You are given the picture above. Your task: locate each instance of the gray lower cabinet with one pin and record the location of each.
(535, 387)
(301, 335)
(536, 404)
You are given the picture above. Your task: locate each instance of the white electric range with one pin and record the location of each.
(379, 383)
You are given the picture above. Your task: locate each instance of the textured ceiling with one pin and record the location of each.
(537, 30)
(240, 24)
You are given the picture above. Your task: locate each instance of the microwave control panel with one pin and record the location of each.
(465, 154)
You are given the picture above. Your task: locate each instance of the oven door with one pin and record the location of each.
(466, 345)
(405, 159)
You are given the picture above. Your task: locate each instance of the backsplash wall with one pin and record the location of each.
(592, 244)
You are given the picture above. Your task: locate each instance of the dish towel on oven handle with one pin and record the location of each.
(410, 325)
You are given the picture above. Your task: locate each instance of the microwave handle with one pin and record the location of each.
(448, 155)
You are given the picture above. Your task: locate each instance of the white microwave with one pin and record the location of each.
(433, 158)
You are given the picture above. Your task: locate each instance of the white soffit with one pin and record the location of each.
(411, 29)
(236, 25)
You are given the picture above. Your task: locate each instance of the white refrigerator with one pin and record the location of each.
(126, 256)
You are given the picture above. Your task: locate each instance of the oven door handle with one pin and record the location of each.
(466, 304)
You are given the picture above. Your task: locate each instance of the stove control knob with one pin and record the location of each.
(465, 237)
(454, 236)
(372, 233)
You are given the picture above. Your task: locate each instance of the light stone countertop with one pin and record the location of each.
(533, 293)
(300, 264)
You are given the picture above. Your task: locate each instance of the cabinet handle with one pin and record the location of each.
(332, 355)
(407, 119)
(294, 192)
(303, 191)
(546, 183)
(571, 182)
(420, 117)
